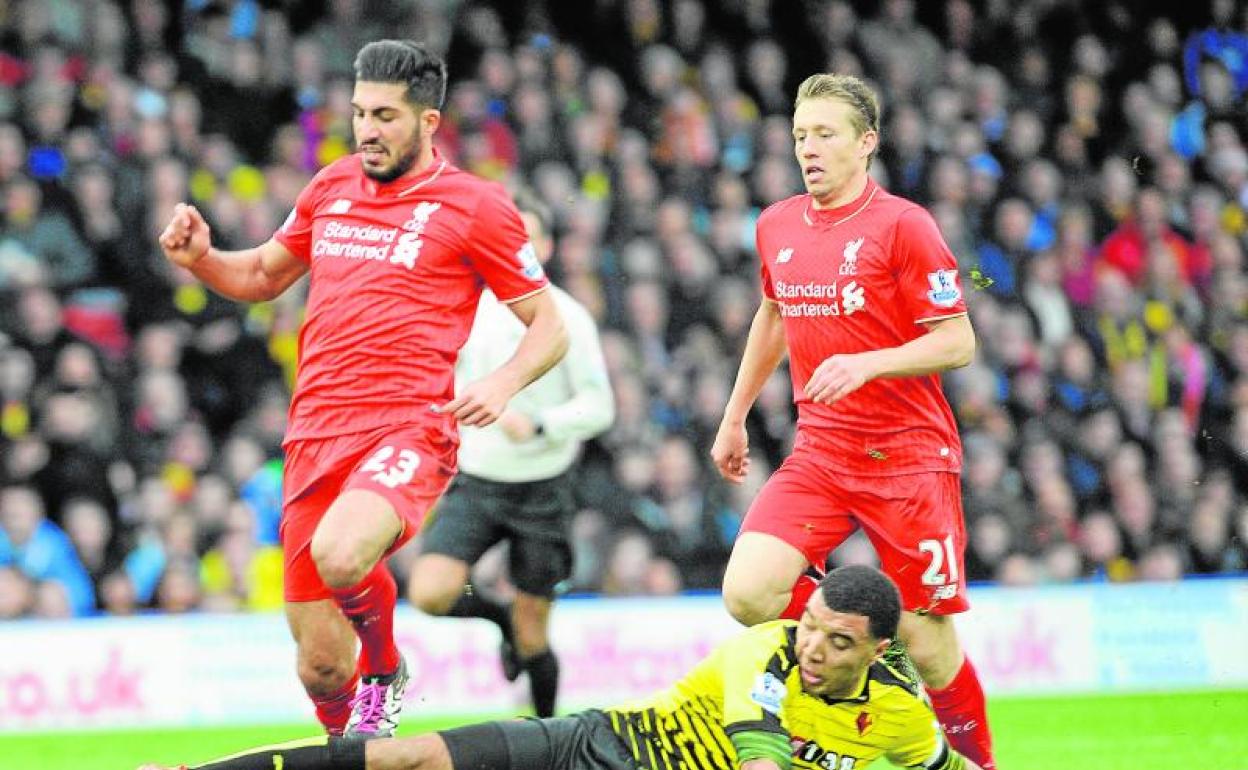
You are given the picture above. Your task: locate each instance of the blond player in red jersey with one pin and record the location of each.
(862, 290)
(399, 244)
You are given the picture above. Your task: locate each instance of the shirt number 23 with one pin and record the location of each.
(389, 470)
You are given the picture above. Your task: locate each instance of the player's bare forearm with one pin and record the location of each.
(948, 344)
(764, 350)
(252, 275)
(544, 344)
(232, 274)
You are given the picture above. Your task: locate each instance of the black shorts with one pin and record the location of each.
(581, 741)
(533, 516)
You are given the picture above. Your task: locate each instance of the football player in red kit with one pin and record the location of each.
(399, 244)
(862, 292)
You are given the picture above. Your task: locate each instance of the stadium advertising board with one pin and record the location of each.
(239, 669)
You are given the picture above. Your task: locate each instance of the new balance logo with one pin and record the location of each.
(340, 206)
(784, 255)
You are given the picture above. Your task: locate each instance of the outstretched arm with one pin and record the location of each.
(251, 275)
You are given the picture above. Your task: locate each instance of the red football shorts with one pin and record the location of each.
(913, 520)
(409, 465)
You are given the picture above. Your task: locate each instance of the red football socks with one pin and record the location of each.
(802, 589)
(334, 710)
(369, 605)
(963, 714)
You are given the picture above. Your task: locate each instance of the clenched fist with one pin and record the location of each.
(187, 238)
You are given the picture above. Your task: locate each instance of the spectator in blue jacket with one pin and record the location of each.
(40, 549)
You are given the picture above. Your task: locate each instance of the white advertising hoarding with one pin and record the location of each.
(239, 669)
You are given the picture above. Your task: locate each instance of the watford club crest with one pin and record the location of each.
(864, 723)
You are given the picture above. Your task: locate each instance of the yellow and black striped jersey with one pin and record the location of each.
(752, 682)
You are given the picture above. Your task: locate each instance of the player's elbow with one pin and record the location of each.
(959, 343)
(559, 340)
(263, 293)
(249, 294)
(270, 286)
(963, 352)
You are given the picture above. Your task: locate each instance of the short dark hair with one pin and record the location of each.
(528, 203)
(407, 62)
(861, 590)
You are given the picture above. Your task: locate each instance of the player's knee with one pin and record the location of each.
(339, 574)
(436, 582)
(432, 600)
(751, 607)
(932, 643)
(324, 674)
(337, 566)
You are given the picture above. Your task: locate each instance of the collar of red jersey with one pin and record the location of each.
(841, 214)
(408, 185)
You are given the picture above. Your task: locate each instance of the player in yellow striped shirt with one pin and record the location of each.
(812, 695)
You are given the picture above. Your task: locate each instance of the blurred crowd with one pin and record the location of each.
(1085, 161)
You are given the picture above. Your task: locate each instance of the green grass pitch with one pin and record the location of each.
(1168, 731)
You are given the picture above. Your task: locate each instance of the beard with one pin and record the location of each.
(401, 165)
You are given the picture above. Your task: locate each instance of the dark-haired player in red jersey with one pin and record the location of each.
(399, 244)
(861, 288)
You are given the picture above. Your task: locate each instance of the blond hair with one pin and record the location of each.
(850, 90)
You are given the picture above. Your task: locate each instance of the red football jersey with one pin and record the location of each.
(861, 277)
(396, 269)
